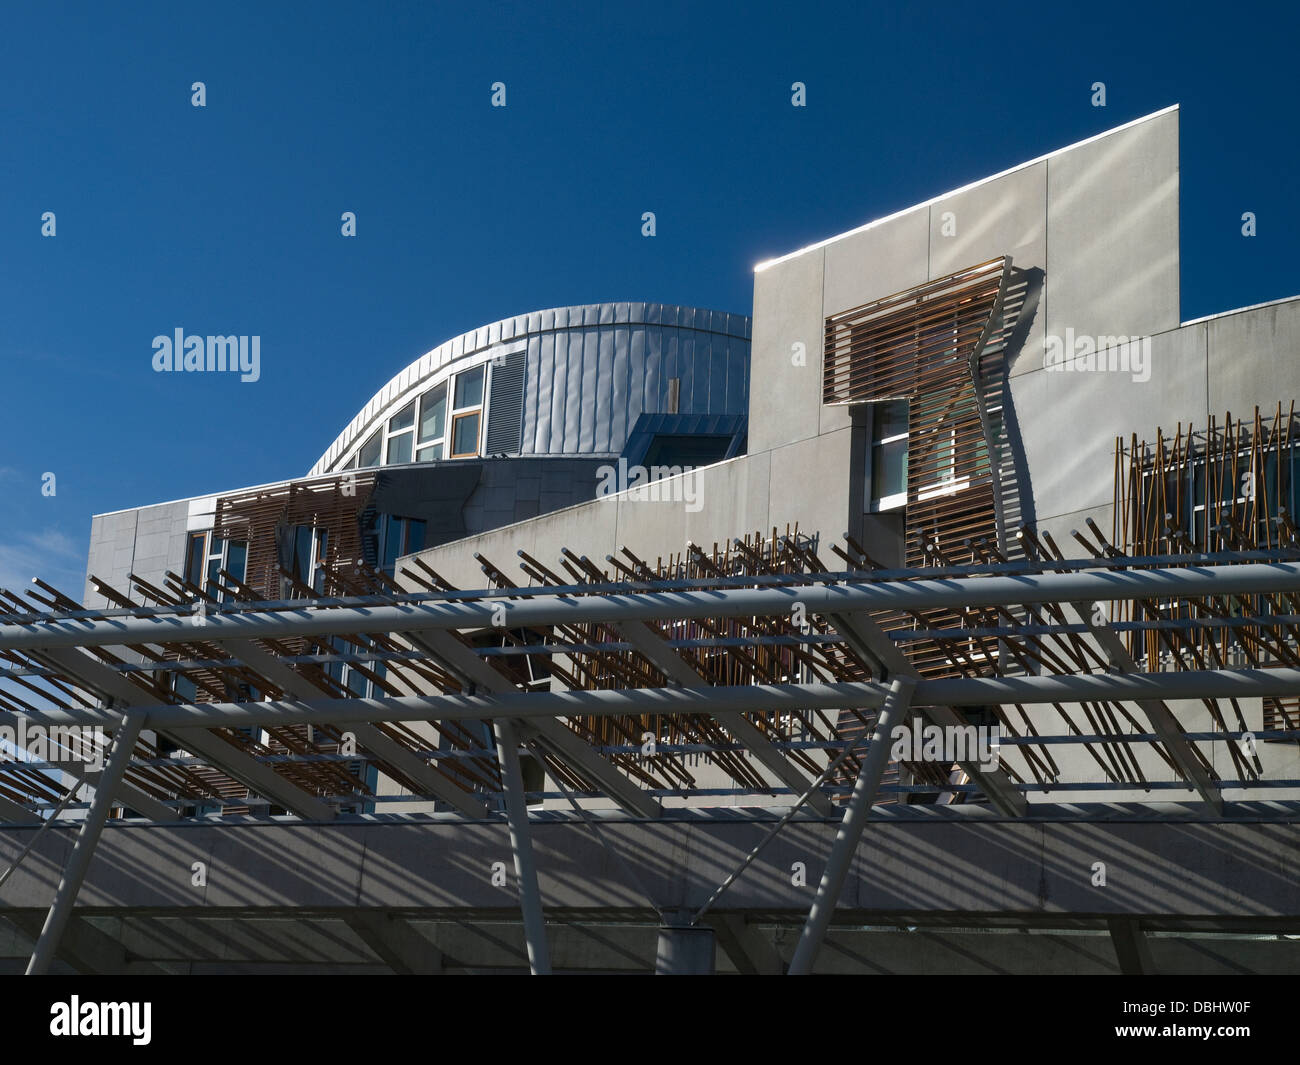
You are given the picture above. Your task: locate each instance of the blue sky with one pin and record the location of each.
(225, 219)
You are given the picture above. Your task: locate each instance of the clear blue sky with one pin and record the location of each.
(226, 219)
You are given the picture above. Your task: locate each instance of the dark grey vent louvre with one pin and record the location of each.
(505, 406)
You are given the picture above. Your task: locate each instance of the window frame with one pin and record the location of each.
(409, 431)
(457, 414)
(437, 444)
(216, 551)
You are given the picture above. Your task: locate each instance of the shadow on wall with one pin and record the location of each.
(1015, 488)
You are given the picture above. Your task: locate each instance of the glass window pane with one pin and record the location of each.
(237, 558)
(464, 435)
(392, 542)
(429, 454)
(891, 419)
(414, 536)
(888, 469)
(302, 553)
(194, 558)
(369, 455)
(433, 414)
(403, 419)
(399, 448)
(469, 388)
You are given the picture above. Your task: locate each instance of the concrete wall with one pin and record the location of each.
(1226, 364)
(912, 860)
(712, 504)
(148, 542)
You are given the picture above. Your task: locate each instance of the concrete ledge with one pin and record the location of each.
(943, 867)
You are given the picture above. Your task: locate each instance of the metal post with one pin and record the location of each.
(530, 899)
(31, 843)
(850, 833)
(74, 872)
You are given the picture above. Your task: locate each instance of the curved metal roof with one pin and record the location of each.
(590, 371)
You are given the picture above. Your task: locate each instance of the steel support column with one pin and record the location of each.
(850, 833)
(554, 735)
(65, 896)
(94, 675)
(530, 898)
(871, 642)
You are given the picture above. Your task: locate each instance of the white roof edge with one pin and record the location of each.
(1240, 310)
(964, 188)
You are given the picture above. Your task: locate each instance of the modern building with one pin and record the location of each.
(497, 425)
(974, 474)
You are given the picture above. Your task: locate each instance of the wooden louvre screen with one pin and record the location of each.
(262, 517)
(913, 341)
(924, 346)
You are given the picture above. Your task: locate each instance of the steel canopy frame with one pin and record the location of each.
(542, 611)
(76, 650)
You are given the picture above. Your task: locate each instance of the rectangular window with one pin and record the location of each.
(464, 435)
(414, 536)
(195, 553)
(237, 559)
(401, 536)
(206, 556)
(889, 451)
(467, 413)
(302, 560)
(400, 439)
(433, 424)
(399, 449)
(469, 388)
(309, 547)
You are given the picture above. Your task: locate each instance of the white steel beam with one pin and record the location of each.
(547, 610)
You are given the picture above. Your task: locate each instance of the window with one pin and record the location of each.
(309, 548)
(433, 424)
(369, 453)
(1233, 483)
(399, 536)
(467, 413)
(195, 553)
(206, 556)
(685, 449)
(464, 435)
(401, 436)
(947, 452)
(346, 675)
(889, 455)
